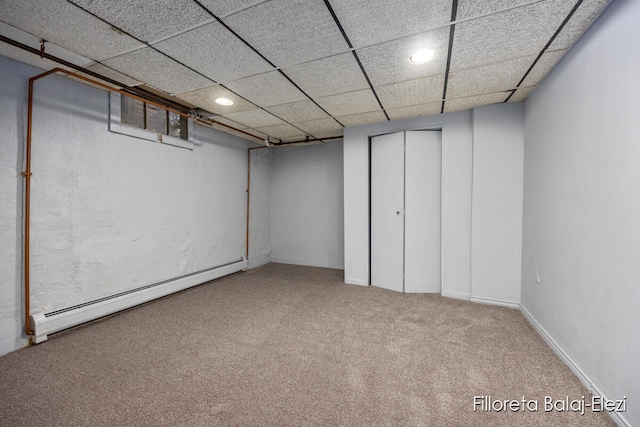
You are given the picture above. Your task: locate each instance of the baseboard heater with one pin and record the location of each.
(56, 321)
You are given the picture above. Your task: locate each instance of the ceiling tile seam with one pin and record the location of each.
(228, 28)
(355, 55)
(243, 8)
(452, 28)
(305, 94)
(183, 31)
(457, 71)
(140, 41)
(113, 69)
(263, 57)
(553, 37)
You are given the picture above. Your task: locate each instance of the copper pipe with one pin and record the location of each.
(249, 196)
(139, 93)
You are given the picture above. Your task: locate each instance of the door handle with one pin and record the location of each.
(397, 212)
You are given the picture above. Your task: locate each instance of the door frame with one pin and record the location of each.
(442, 219)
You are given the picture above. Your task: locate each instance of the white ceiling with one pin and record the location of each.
(307, 68)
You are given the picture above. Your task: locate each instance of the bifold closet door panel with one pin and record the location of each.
(423, 172)
(387, 211)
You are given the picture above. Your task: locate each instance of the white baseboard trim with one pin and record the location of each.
(308, 262)
(584, 379)
(456, 295)
(351, 281)
(508, 304)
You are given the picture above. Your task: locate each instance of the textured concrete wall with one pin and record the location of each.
(109, 212)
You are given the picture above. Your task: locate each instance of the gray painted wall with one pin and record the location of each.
(307, 205)
(582, 205)
(496, 236)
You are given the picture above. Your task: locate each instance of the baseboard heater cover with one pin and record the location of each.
(56, 321)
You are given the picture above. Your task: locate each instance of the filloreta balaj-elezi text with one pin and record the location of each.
(592, 403)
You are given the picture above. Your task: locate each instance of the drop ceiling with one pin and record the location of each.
(299, 69)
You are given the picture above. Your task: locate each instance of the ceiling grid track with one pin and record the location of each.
(544, 49)
(355, 55)
(269, 62)
(452, 29)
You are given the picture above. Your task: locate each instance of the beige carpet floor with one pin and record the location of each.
(289, 345)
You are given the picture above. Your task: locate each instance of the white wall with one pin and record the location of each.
(260, 208)
(496, 237)
(109, 212)
(582, 205)
(459, 176)
(13, 95)
(307, 205)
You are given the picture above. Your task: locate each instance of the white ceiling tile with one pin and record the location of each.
(412, 92)
(155, 69)
(215, 52)
(222, 8)
(429, 109)
(113, 74)
(363, 118)
(298, 111)
(521, 94)
(148, 21)
(282, 131)
(488, 78)
(389, 62)
(267, 89)
(321, 128)
(289, 31)
(583, 17)
(73, 29)
(546, 62)
(254, 118)
(518, 32)
(472, 8)
(368, 22)
(205, 99)
(468, 103)
(361, 101)
(328, 76)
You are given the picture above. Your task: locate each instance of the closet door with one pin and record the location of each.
(387, 211)
(422, 247)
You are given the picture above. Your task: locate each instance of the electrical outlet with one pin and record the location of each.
(538, 275)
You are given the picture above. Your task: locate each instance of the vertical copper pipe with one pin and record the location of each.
(27, 212)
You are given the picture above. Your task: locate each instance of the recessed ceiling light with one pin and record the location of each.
(224, 101)
(422, 56)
